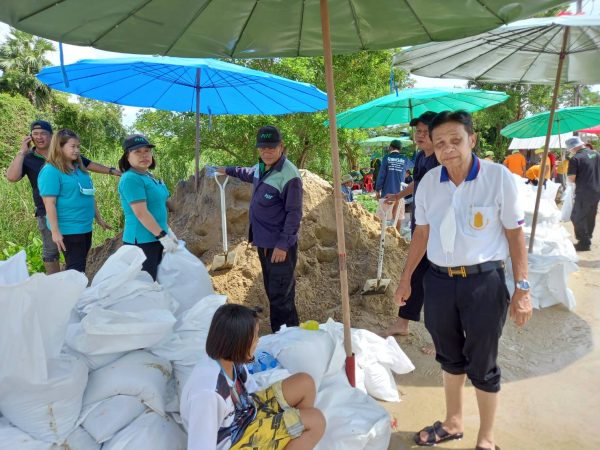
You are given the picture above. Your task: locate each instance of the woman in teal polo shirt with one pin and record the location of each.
(144, 203)
(68, 194)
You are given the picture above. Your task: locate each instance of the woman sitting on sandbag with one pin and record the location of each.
(144, 203)
(221, 406)
(68, 194)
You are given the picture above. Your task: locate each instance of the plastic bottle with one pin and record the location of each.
(263, 361)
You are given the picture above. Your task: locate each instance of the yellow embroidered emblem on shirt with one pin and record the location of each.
(478, 221)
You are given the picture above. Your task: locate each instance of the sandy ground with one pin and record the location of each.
(551, 370)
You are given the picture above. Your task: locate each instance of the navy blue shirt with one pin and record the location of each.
(423, 164)
(32, 165)
(391, 174)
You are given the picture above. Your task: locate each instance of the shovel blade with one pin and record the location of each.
(375, 286)
(223, 261)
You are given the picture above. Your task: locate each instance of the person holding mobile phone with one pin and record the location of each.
(28, 162)
(69, 198)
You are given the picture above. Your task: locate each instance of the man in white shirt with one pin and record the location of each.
(468, 219)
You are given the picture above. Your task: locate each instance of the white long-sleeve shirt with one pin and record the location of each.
(208, 410)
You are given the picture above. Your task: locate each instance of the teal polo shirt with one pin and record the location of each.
(142, 187)
(75, 211)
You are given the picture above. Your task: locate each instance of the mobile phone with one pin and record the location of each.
(31, 144)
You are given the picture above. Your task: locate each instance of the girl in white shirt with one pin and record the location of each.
(221, 407)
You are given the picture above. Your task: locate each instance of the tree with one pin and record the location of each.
(359, 77)
(22, 56)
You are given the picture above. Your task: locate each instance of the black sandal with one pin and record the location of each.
(435, 435)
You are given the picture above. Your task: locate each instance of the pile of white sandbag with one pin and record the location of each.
(553, 258)
(102, 367)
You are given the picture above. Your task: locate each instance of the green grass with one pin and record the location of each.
(369, 203)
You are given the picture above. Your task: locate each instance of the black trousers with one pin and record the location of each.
(414, 304)
(465, 317)
(78, 247)
(280, 285)
(154, 254)
(583, 217)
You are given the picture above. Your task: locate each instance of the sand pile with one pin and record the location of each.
(196, 219)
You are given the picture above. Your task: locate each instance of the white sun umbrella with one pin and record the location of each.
(548, 50)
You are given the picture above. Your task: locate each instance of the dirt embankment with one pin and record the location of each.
(196, 219)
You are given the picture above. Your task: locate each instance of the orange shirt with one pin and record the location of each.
(516, 163)
(533, 173)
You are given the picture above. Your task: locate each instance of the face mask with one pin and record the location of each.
(87, 191)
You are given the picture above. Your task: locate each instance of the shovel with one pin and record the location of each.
(379, 285)
(225, 260)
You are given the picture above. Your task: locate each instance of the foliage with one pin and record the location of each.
(22, 56)
(230, 139)
(16, 113)
(33, 250)
(369, 202)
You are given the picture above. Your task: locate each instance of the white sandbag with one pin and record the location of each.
(199, 316)
(110, 416)
(268, 377)
(149, 432)
(567, 207)
(33, 319)
(14, 269)
(182, 373)
(379, 383)
(79, 440)
(48, 411)
(139, 374)
(299, 350)
(103, 331)
(96, 361)
(121, 267)
(146, 296)
(185, 277)
(11, 438)
(384, 210)
(354, 420)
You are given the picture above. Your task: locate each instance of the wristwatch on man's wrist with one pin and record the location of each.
(111, 170)
(162, 234)
(522, 285)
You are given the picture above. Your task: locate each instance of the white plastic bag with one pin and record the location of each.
(103, 331)
(299, 350)
(11, 438)
(14, 269)
(185, 277)
(567, 207)
(138, 374)
(48, 411)
(149, 432)
(354, 420)
(33, 319)
(109, 416)
(79, 440)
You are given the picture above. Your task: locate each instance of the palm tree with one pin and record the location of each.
(22, 56)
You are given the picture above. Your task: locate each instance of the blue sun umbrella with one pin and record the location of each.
(197, 85)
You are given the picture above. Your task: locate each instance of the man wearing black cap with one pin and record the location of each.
(391, 174)
(584, 171)
(275, 215)
(29, 161)
(425, 161)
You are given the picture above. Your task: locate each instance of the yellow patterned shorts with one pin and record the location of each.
(275, 425)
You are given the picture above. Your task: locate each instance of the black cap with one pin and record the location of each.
(41, 125)
(136, 141)
(425, 118)
(397, 144)
(268, 136)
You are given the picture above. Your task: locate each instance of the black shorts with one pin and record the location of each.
(465, 317)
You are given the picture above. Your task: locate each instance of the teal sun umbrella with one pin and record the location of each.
(408, 103)
(564, 120)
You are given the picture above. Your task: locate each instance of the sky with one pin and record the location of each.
(73, 53)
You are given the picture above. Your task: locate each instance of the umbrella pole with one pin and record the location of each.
(548, 134)
(197, 177)
(337, 193)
